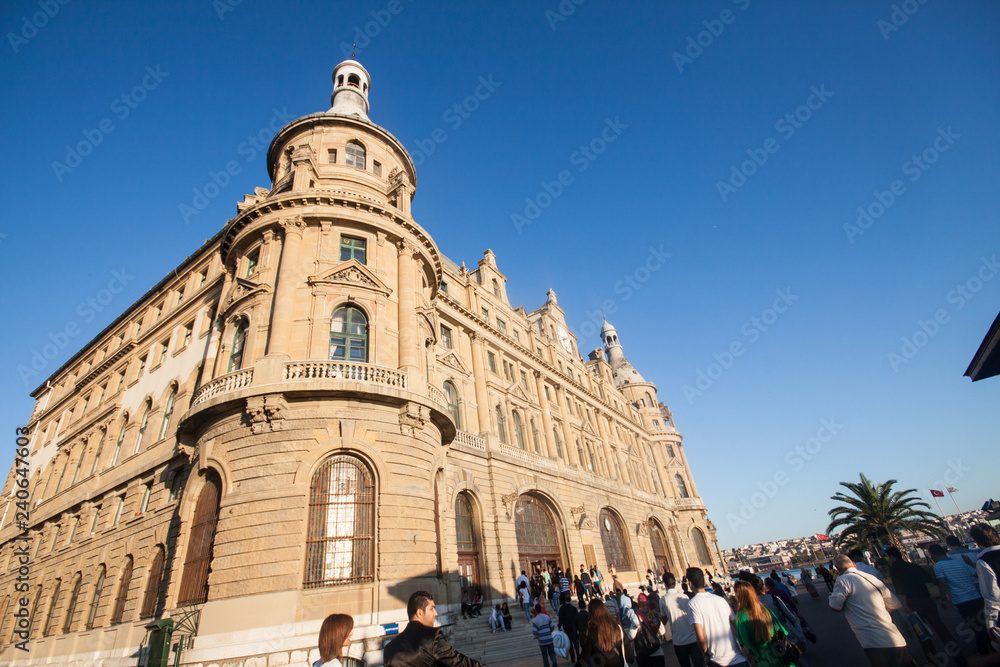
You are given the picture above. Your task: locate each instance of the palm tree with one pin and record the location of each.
(874, 513)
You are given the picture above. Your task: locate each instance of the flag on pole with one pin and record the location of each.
(822, 538)
(937, 494)
(951, 489)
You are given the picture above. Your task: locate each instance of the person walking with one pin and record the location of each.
(757, 629)
(524, 599)
(867, 604)
(859, 562)
(420, 644)
(567, 623)
(541, 629)
(807, 581)
(565, 590)
(911, 582)
(604, 643)
(957, 582)
(334, 634)
(711, 618)
(596, 578)
(988, 571)
(827, 577)
(675, 609)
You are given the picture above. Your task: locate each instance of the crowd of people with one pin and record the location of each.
(717, 621)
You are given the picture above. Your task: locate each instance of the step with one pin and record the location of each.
(473, 638)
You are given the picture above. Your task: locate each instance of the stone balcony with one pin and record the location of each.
(318, 378)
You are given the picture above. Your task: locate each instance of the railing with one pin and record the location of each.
(470, 440)
(222, 385)
(436, 394)
(533, 460)
(340, 370)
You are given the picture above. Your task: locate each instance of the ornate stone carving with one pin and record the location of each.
(293, 225)
(588, 523)
(350, 274)
(412, 418)
(243, 289)
(642, 528)
(266, 413)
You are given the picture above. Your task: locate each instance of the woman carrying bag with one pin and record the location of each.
(605, 644)
(761, 634)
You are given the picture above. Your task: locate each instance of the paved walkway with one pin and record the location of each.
(836, 645)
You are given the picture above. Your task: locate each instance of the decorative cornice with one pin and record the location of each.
(108, 362)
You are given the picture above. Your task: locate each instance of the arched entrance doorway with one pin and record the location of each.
(537, 535)
(661, 552)
(467, 542)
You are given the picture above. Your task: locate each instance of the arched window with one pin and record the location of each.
(701, 547)
(537, 533)
(590, 455)
(95, 599)
(615, 542)
(496, 288)
(682, 489)
(121, 439)
(122, 597)
(53, 607)
(340, 545)
(555, 432)
(534, 436)
(74, 596)
(649, 400)
(201, 540)
(152, 585)
(354, 80)
(340, 80)
(168, 411)
(451, 394)
(355, 154)
(142, 427)
(349, 335)
(468, 545)
(239, 343)
(97, 453)
(501, 429)
(660, 550)
(518, 429)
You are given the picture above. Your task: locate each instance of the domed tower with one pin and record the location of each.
(351, 82)
(627, 378)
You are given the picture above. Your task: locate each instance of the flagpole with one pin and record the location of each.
(937, 503)
(954, 501)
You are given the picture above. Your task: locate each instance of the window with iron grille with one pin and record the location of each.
(701, 547)
(613, 537)
(340, 546)
(535, 527)
(194, 582)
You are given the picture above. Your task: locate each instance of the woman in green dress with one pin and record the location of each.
(756, 628)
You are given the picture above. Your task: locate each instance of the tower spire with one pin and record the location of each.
(621, 370)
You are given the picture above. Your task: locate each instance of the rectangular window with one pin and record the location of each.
(376, 168)
(100, 395)
(252, 260)
(501, 325)
(446, 336)
(524, 381)
(517, 336)
(569, 405)
(55, 540)
(491, 358)
(670, 451)
(157, 312)
(186, 335)
(118, 511)
(97, 518)
(180, 294)
(331, 156)
(163, 351)
(506, 369)
(486, 314)
(145, 498)
(72, 530)
(142, 367)
(547, 397)
(202, 277)
(352, 248)
(444, 288)
(569, 369)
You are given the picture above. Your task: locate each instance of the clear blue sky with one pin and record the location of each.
(879, 97)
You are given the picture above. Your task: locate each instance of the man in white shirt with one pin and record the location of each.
(675, 609)
(987, 568)
(711, 617)
(867, 603)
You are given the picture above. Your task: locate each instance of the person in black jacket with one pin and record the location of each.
(567, 623)
(420, 644)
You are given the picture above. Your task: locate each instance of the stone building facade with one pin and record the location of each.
(319, 412)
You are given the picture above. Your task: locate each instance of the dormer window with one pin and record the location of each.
(355, 155)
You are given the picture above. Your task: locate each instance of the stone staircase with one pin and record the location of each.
(473, 638)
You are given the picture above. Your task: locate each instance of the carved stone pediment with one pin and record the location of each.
(453, 361)
(351, 273)
(241, 290)
(587, 428)
(519, 392)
